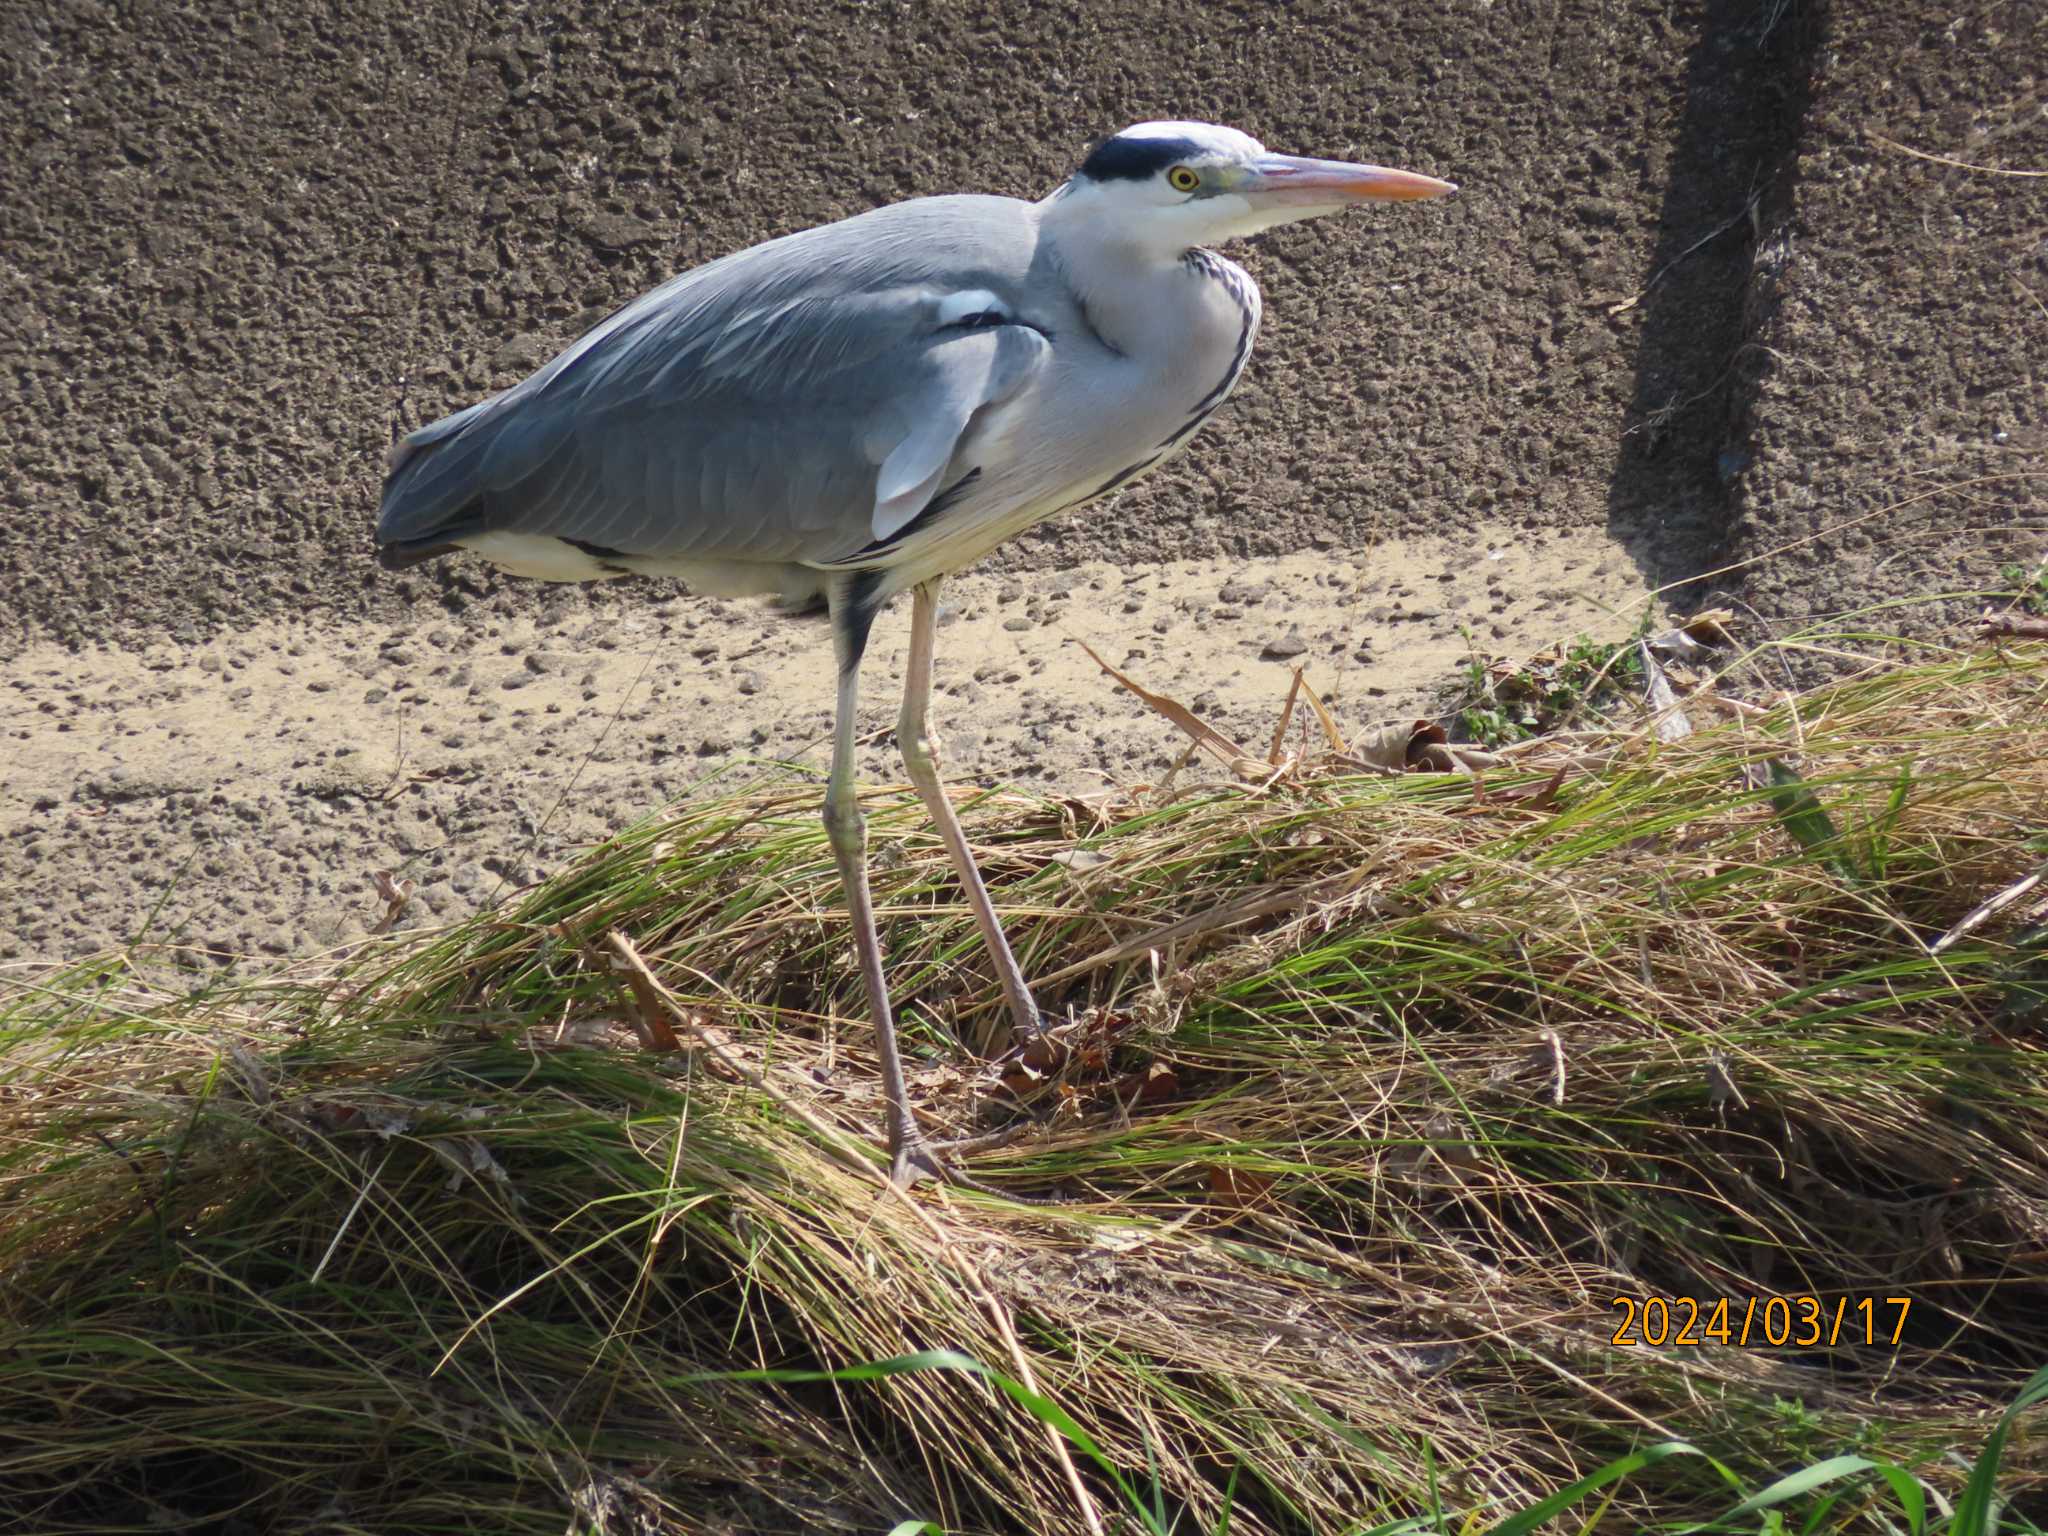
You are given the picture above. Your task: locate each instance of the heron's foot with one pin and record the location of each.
(912, 1158)
(1026, 1022)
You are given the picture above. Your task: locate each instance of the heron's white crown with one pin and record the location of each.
(1212, 136)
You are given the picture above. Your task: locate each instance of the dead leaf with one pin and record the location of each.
(1044, 1053)
(1439, 757)
(1081, 860)
(1397, 748)
(2018, 625)
(1037, 1061)
(1331, 734)
(649, 1016)
(1526, 797)
(1286, 718)
(395, 894)
(1239, 1189)
(1204, 734)
(1019, 1077)
(1670, 720)
(1157, 1083)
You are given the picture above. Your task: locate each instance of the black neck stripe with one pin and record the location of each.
(1135, 159)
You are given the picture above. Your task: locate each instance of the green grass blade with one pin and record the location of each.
(1973, 1509)
(1557, 1503)
(1834, 1469)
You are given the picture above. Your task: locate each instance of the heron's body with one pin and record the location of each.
(863, 408)
(1048, 395)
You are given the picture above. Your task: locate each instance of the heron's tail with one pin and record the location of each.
(433, 488)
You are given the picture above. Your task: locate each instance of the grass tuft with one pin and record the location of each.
(1381, 1102)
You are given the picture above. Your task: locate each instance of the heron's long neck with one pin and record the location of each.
(1140, 300)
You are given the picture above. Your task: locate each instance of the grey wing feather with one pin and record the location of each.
(761, 408)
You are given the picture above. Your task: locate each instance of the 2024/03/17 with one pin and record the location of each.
(1801, 1321)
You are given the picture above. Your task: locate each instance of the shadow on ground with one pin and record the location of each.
(1728, 195)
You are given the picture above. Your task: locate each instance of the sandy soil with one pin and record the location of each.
(1688, 315)
(237, 797)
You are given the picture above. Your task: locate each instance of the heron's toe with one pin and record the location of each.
(913, 1159)
(1027, 1024)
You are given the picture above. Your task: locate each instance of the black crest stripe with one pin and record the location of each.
(1134, 159)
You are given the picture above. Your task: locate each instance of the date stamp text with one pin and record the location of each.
(1682, 1322)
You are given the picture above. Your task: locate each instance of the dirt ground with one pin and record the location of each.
(1699, 308)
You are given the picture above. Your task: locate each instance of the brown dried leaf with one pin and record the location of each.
(394, 893)
(1205, 735)
(1397, 748)
(1044, 1053)
(656, 1033)
(1018, 1078)
(2018, 625)
(1524, 797)
(1157, 1083)
(1239, 1189)
(1331, 734)
(1286, 719)
(1438, 757)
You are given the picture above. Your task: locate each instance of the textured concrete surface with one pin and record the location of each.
(1743, 300)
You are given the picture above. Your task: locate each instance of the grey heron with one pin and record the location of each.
(864, 408)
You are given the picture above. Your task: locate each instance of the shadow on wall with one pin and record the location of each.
(1733, 166)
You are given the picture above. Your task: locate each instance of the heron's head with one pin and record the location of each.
(1185, 184)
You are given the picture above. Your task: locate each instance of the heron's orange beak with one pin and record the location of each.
(1293, 180)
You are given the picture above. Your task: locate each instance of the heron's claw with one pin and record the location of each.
(912, 1158)
(1027, 1024)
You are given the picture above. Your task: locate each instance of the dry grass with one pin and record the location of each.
(1377, 1092)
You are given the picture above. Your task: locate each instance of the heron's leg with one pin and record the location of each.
(847, 830)
(920, 746)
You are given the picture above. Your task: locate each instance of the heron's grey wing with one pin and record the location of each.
(762, 422)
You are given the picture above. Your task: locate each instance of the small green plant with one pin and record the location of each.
(1499, 704)
(2029, 587)
(1483, 719)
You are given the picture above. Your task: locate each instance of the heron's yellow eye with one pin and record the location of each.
(1181, 179)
